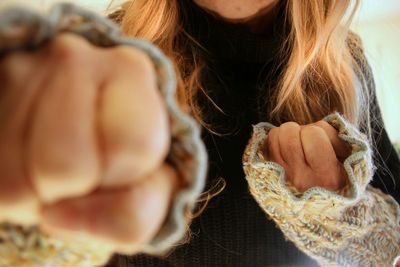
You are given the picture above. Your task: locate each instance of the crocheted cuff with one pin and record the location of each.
(24, 29)
(356, 226)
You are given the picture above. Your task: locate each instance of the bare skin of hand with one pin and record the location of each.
(312, 155)
(83, 139)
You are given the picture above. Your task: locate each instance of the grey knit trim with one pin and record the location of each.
(187, 151)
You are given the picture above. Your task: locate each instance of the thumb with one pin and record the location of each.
(125, 218)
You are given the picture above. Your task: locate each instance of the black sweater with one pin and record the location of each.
(233, 230)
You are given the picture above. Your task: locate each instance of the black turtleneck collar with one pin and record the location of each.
(235, 42)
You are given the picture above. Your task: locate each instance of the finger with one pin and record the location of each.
(326, 170)
(318, 150)
(273, 151)
(342, 149)
(12, 68)
(126, 217)
(16, 93)
(63, 157)
(133, 121)
(18, 202)
(290, 144)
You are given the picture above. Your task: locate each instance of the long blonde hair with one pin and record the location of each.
(320, 75)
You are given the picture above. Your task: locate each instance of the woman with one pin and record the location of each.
(238, 64)
(252, 61)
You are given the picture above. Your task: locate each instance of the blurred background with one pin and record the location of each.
(377, 22)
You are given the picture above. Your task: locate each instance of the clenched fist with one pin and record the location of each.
(83, 137)
(312, 155)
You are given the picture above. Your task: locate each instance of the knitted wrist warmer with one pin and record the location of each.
(28, 246)
(357, 226)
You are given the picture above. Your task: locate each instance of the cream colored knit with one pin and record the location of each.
(358, 226)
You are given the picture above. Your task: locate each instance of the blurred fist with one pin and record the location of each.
(83, 137)
(312, 155)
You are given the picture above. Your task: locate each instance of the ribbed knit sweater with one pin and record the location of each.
(235, 229)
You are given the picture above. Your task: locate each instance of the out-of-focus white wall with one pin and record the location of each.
(382, 42)
(378, 24)
(98, 5)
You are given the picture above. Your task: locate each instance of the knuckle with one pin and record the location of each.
(325, 126)
(322, 124)
(290, 137)
(291, 125)
(69, 48)
(133, 58)
(289, 130)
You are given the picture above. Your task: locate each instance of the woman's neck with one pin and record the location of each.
(259, 23)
